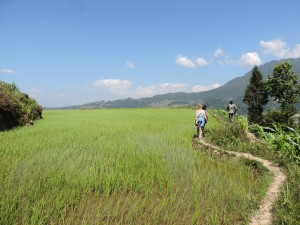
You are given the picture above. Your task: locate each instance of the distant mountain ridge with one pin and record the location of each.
(216, 98)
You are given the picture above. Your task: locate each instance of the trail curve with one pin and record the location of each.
(264, 215)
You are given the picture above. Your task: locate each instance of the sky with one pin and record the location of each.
(72, 52)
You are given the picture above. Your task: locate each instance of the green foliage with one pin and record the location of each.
(257, 130)
(288, 207)
(228, 135)
(255, 165)
(237, 130)
(284, 88)
(16, 108)
(255, 97)
(287, 144)
(278, 145)
(273, 116)
(242, 122)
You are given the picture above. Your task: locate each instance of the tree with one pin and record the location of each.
(255, 97)
(284, 88)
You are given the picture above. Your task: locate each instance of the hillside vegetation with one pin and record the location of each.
(16, 108)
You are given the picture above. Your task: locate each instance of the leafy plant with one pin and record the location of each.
(257, 130)
(242, 121)
(287, 144)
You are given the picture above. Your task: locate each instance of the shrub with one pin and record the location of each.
(257, 130)
(16, 108)
(273, 116)
(284, 140)
(242, 122)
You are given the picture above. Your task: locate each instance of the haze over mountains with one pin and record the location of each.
(216, 98)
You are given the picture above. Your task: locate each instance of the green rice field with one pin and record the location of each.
(120, 166)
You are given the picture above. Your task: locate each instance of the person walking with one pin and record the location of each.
(231, 109)
(200, 120)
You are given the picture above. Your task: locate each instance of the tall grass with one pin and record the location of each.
(121, 166)
(277, 145)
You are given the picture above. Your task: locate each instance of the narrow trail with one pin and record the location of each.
(264, 215)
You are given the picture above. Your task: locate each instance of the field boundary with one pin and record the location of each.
(264, 215)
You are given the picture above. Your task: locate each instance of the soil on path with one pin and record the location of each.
(264, 215)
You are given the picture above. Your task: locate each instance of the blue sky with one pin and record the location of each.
(70, 52)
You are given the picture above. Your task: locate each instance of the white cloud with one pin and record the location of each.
(201, 62)
(184, 61)
(7, 71)
(161, 89)
(219, 52)
(199, 88)
(294, 53)
(249, 59)
(191, 63)
(173, 85)
(115, 85)
(275, 47)
(172, 88)
(279, 48)
(130, 65)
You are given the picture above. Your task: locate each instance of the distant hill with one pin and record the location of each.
(216, 98)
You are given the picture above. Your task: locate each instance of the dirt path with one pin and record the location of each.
(263, 216)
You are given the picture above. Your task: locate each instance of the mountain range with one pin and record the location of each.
(216, 99)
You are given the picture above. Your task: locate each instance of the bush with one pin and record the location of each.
(229, 135)
(257, 130)
(242, 122)
(273, 116)
(16, 108)
(284, 140)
